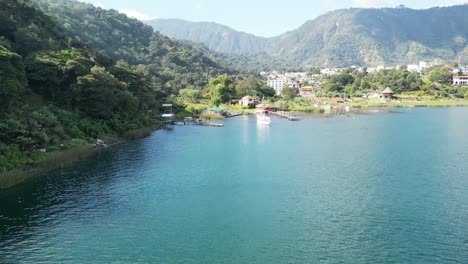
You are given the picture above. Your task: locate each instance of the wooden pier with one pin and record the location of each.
(202, 123)
(286, 115)
(234, 115)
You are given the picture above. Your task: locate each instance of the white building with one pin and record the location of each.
(277, 84)
(328, 72)
(413, 68)
(247, 101)
(460, 80)
(295, 84)
(417, 67)
(464, 70)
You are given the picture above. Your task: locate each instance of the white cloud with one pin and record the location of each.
(99, 4)
(136, 14)
(374, 3)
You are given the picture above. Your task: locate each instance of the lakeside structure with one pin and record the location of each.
(460, 80)
(247, 101)
(387, 93)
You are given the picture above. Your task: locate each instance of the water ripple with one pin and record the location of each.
(387, 188)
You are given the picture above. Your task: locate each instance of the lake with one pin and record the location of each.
(376, 188)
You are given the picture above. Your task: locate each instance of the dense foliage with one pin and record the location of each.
(83, 73)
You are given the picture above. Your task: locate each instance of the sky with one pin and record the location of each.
(264, 18)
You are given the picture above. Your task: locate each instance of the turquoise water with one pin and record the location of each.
(378, 188)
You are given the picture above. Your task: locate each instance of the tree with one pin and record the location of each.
(249, 86)
(441, 75)
(282, 105)
(99, 93)
(191, 95)
(45, 72)
(289, 93)
(337, 83)
(253, 86)
(12, 77)
(267, 91)
(221, 89)
(313, 71)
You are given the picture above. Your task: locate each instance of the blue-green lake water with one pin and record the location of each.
(377, 188)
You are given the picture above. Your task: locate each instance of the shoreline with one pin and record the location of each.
(66, 158)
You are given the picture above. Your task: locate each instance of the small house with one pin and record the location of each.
(247, 101)
(387, 93)
(306, 92)
(309, 89)
(215, 110)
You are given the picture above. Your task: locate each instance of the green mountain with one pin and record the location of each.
(352, 37)
(176, 64)
(71, 73)
(215, 36)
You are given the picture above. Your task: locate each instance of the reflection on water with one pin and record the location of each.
(263, 132)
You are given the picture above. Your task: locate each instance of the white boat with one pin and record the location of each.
(263, 120)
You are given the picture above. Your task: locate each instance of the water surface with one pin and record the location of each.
(379, 188)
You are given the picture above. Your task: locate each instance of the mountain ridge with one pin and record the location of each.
(346, 37)
(221, 38)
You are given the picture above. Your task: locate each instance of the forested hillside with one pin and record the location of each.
(71, 73)
(373, 37)
(172, 63)
(342, 38)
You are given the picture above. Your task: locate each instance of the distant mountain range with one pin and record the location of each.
(215, 36)
(342, 38)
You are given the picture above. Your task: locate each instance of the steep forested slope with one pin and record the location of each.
(174, 63)
(71, 73)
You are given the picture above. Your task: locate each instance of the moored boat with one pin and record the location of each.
(263, 119)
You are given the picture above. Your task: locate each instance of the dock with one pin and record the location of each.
(234, 114)
(286, 115)
(202, 123)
